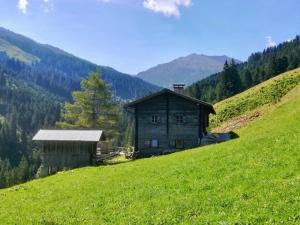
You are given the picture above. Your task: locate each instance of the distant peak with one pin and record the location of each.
(195, 55)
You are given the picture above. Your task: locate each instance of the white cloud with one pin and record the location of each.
(270, 42)
(47, 6)
(167, 7)
(22, 5)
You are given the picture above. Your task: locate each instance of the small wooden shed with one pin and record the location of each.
(63, 149)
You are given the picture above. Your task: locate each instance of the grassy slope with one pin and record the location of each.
(265, 94)
(254, 179)
(15, 52)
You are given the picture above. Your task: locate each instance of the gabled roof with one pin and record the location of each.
(68, 135)
(164, 91)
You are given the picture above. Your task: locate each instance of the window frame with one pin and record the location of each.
(155, 119)
(179, 119)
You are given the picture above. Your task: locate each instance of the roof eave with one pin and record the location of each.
(163, 91)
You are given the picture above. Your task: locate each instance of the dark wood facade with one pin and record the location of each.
(58, 155)
(67, 149)
(168, 121)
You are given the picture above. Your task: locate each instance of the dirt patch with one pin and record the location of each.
(238, 122)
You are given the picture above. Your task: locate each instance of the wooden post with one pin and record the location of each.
(200, 122)
(167, 114)
(136, 144)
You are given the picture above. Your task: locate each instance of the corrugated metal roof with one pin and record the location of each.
(68, 135)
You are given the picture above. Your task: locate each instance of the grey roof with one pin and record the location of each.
(164, 91)
(68, 135)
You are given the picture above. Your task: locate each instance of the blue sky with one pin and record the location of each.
(133, 35)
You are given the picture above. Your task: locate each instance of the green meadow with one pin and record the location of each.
(254, 179)
(17, 53)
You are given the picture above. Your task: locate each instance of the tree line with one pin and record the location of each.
(259, 67)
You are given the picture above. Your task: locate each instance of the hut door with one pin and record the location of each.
(179, 143)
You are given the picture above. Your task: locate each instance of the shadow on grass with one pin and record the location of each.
(233, 135)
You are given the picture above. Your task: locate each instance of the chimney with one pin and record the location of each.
(178, 88)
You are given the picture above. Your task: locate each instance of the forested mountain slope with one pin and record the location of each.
(260, 66)
(57, 70)
(24, 108)
(253, 179)
(35, 80)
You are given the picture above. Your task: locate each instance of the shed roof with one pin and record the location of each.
(164, 91)
(68, 135)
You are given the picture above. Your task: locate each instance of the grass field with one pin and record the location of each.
(254, 179)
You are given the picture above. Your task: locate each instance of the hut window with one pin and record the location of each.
(179, 119)
(154, 118)
(154, 143)
(147, 143)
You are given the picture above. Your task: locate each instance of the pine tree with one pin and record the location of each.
(92, 108)
(230, 82)
(234, 79)
(247, 79)
(2, 80)
(23, 170)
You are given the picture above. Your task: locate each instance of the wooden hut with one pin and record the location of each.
(63, 149)
(167, 121)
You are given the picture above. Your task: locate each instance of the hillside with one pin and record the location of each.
(250, 180)
(187, 70)
(234, 112)
(45, 64)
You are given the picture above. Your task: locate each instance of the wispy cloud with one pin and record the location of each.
(270, 42)
(47, 6)
(22, 6)
(167, 7)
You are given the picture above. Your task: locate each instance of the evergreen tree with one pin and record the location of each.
(230, 81)
(92, 108)
(247, 82)
(2, 80)
(23, 170)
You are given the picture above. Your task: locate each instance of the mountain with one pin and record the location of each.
(60, 72)
(253, 179)
(185, 70)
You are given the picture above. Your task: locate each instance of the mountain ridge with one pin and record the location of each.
(71, 69)
(194, 67)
